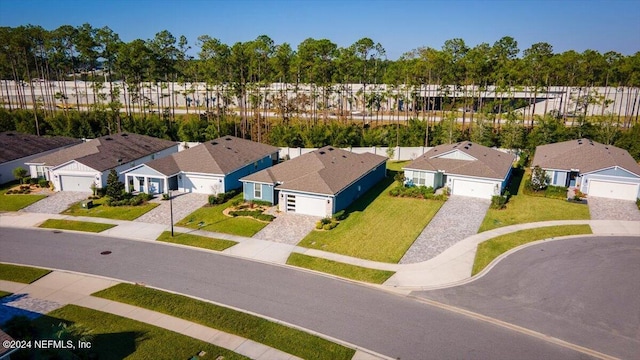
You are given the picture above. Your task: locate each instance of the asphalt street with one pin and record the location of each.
(397, 326)
(584, 290)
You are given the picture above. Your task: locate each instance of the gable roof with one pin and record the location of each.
(327, 170)
(107, 152)
(481, 161)
(15, 145)
(219, 156)
(584, 155)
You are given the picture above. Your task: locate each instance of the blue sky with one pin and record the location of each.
(398, 25)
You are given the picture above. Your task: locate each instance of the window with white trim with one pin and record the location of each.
(257, 191)
(419, 178)
(40, 172)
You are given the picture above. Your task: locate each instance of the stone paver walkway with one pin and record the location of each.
(59, 288)
(612, 209)
(288, 228)
(56, 202)
(183, 205)
(459, 218)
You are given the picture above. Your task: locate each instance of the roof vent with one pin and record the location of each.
(466, 147)
(469, 144)
(344, 156)
(9, 134)
(330, 149)
(214, 143)
(108, 139)
(322, 152)
(228, 139)
(606, 147)
(125, 134)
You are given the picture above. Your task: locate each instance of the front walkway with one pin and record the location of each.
(459, 218)
(183, 205)
(61, 288)
(57, 202)
(287, 228)
(612, 209)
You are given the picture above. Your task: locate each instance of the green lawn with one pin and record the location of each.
(4, 293)
(197, 241)
(110, 212)
(75, 225)
(278, 336)
(523, 208)
(340, 269)
(21, 274)
(15, 202)
(115, 337)
(379, 227)
(212, 219)
(492, 248)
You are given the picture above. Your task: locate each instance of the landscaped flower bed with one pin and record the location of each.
(251, 209)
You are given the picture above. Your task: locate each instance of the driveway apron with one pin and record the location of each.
(459, 218)
(56, 202)
(288, 228)
(183, 205)
(612, 209)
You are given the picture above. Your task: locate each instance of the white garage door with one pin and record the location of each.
(76, 183)
(613, 190)
(202, 185)
(306, 205)
(473, 188)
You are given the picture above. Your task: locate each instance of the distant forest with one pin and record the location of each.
(235, 71)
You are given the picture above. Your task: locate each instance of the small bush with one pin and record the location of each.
(261, 202)
(327, 227)
(399, 177)
(236, 202)
(165, 197)
(265, 217)
(340, 215)
(34, 181)
(43, 183)
(222, 197)
(638, 203)
(26, 180)
(325, 221)
(419, 192)
(498, 202)
(256, 214)
(319, 225)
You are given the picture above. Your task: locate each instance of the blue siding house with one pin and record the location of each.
(595, 169)
(319, 183)
(212, 167)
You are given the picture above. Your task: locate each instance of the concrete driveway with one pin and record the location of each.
(288, 228)
(612, 209)
(459, 218)
(183, 205)
(56, 202)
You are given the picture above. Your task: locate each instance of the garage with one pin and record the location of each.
(76, 183)
(613, 190)
(306, 205)
(473, 188)
(202, 184)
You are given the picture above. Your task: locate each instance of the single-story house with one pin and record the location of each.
(212, 167)
(595, 169)
(319, 183)
(17, 149)
(466, 168)
(78, 167)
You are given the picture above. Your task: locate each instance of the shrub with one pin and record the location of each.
(34, 181)
(261, 202)
(340, 215)
(43, 183)
(222, 197)
(638, 203)
(256, 214)
(399, 177)
(115, 187)
(145, 196)
(327, 227)
(498, 202)
(26, 180)
(319, 225)
(325, 221)
(165, 197)
(236, 202)
(265, 217)
(19, 173)
(419, 192)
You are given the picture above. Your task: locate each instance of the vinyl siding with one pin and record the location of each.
(267, 191)
(355, 190)
(232, 180)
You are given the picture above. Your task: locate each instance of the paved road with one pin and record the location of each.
(584, 290)
(390, 324)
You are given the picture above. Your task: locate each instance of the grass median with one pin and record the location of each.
(76, 225)
(278, 336)
(21, 274)
(196, 241)
(492, 248)
(348, 271)
(112, 337)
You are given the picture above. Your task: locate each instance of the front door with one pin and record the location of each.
(572, 178)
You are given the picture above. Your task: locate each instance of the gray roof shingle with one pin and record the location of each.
(219, 156)
(15, 145)
(107, 152)
(584, 155)
(488, 163)
(327, 170)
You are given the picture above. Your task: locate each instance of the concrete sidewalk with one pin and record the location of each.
(451, 266)
(63, 288)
